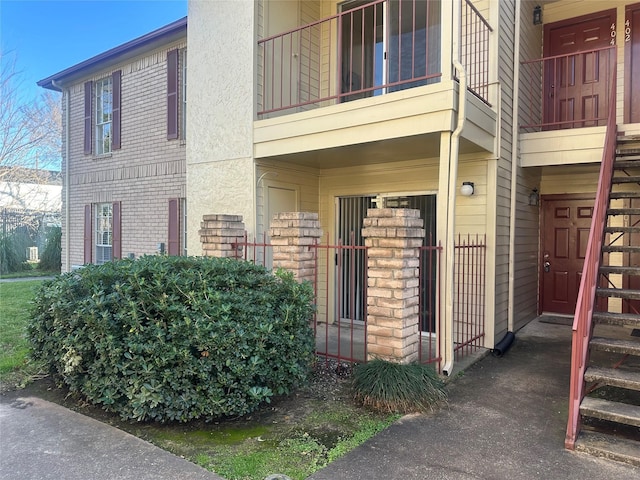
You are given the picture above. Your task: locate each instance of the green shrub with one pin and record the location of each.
(175, 338)
(12, 258)
(398, 388)
(51, 258)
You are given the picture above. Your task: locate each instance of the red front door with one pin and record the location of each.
(576, 85)
(631, 39)
(565, 231)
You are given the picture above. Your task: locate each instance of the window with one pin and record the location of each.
(176, 94)
(104, 233)
(104, 115)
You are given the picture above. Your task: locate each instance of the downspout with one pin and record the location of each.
(514, 168)
(67, 243)
(451, 212)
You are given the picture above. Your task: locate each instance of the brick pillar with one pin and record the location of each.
(393, 237)
(291, 235)
(218, 233)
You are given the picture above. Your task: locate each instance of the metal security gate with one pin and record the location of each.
(351, 263)
(428, 257)
(351, 213)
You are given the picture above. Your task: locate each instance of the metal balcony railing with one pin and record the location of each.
(567, 91)
(380, 47)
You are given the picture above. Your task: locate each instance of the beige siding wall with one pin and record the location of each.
(143, 175)
(506, 34)
(527, 234)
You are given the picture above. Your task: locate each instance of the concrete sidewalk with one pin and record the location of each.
(506, 419)
(41, 440)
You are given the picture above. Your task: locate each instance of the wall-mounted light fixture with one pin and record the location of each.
(534, 198)
(467, 189)
(537, 15)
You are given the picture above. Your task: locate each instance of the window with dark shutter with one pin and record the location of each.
(88, 235)
(173, 240)
(88, 100)
(172, 95)
(117, 82)
(116, 240)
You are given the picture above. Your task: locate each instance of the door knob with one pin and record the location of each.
(547, 266)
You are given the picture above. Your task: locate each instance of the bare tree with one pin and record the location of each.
(30, 135)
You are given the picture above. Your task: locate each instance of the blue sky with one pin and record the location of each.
(48, 36)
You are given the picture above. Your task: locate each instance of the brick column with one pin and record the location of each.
(218, 233)
(291, 235)
(393, 237)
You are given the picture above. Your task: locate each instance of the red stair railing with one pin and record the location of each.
(582, 323)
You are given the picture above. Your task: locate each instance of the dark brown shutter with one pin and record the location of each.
(88, 101)
(116, 79)
(88, 234)
(172, 95)
(173, 240)
(116, 239)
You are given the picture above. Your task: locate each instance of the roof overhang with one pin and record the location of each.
(152, 40)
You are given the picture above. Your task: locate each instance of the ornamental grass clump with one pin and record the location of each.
(175, 338)
(398, 388)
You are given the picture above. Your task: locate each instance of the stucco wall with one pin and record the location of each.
(220, 170)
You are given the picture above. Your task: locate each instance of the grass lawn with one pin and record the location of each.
(15, 298)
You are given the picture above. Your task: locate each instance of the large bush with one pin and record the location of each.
(52, 254)
(175, 338)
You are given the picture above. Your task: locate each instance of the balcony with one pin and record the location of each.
(564, 113)
(378, 70)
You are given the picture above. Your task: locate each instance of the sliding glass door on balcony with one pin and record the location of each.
(366, 48)
(393, 44)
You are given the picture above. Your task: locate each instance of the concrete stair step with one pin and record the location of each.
(617, 412)
(622, 229)
(621, 248)
(617, 195)
(614, 269)
(618, 293)
(626, 162)
(609, 447)
(623, 211)
(613, 377)
(631, 179)
(630, 347)
(620, 319)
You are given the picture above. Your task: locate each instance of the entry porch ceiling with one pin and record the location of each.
(382, 151)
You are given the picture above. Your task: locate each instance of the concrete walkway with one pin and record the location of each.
(40, 440)
(505, 420)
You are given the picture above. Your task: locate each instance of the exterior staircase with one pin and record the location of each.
(610, 411)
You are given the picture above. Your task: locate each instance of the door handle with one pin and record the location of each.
(547, 267)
